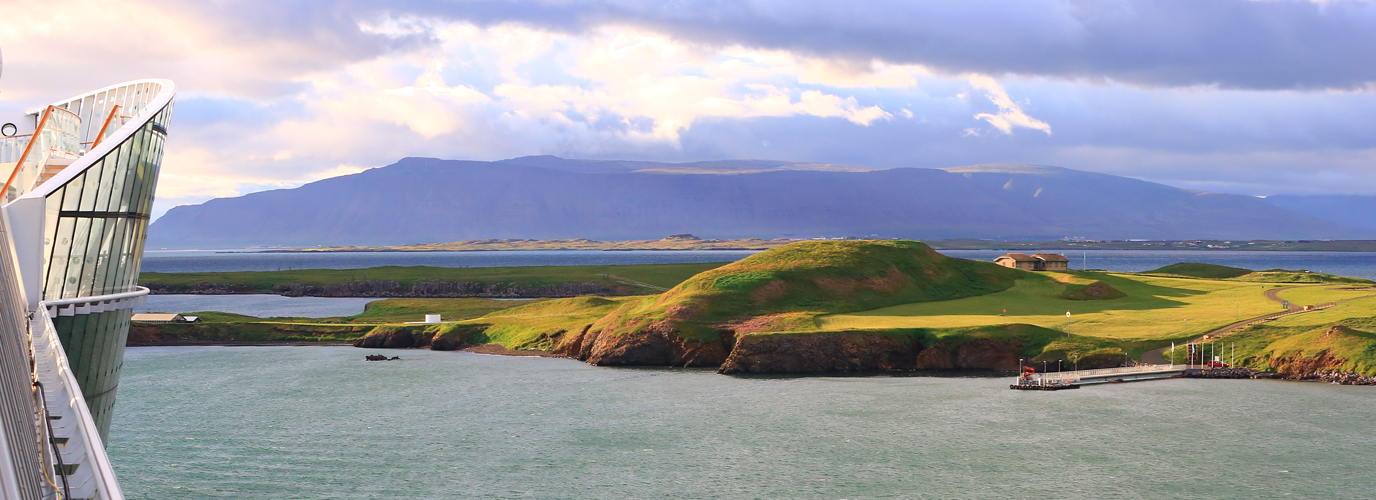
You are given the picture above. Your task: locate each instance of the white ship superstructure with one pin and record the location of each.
(79, 177)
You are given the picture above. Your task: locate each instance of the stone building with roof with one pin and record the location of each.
(1035, 262)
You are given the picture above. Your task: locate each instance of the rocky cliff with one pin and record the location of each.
(657, 344)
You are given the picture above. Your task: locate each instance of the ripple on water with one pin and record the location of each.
(318, 422)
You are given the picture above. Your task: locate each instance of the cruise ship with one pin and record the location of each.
(79, 178)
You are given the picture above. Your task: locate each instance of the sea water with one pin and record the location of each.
(1357, 264)
(319, 422)
(193, 261)
(260, 305)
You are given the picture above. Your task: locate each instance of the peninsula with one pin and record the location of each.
(876, 306)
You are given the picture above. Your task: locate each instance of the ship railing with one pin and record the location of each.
(13, 146)
(85, 464)
(56, 134)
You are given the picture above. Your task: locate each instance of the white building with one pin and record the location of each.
(79, 177)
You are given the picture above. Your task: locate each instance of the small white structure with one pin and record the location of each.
(432, 318)
(158, 318)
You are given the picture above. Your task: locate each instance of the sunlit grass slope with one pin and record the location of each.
(1321, 294)
(1153, 307)
(536, 325)
(1365, 308)
(780, 289)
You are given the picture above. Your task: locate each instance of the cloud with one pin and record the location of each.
(1010, 114)
(1248, 44)
(276, 94)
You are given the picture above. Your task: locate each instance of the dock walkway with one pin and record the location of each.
(1102, 375)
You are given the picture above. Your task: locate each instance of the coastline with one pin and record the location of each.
(692, 243)
(1333, 377)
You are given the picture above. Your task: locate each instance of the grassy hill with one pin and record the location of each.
(1215, 271)
(783, 288)
(1197, 270)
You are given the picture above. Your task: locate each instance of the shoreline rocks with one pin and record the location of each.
(1335, 377)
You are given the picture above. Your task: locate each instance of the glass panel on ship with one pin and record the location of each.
(94, 230)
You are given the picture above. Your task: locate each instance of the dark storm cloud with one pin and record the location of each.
(1244, 44)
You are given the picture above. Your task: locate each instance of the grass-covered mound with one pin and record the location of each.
(783, 287)
(1215, 271)
(1197, 270)
(1078, 287)
(1286, 276)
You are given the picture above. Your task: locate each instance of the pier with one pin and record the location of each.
(1102, 375)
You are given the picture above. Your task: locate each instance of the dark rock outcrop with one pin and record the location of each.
(1341, 377)
(863, 352)
(394, 338)
(157, 288)
(656, 344)
(978, 354)
(447, 343)
(825, 353)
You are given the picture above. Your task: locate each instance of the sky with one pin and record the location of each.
(1252, 97)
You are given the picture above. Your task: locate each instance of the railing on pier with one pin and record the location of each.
(1077, 376)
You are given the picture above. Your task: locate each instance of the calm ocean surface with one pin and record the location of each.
(190, 261)
(319, 422)
(1355, 264)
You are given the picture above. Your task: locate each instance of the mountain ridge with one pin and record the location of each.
(421, 200)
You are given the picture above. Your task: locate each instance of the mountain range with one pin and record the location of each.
(420, 200)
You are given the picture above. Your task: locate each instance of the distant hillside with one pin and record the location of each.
(420, 200)
(1196, 270)
(1346, 210)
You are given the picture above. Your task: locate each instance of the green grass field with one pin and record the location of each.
(1365, 308)
(1320, 294)
(660, 275)
(1154, 308)
(535, 325)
